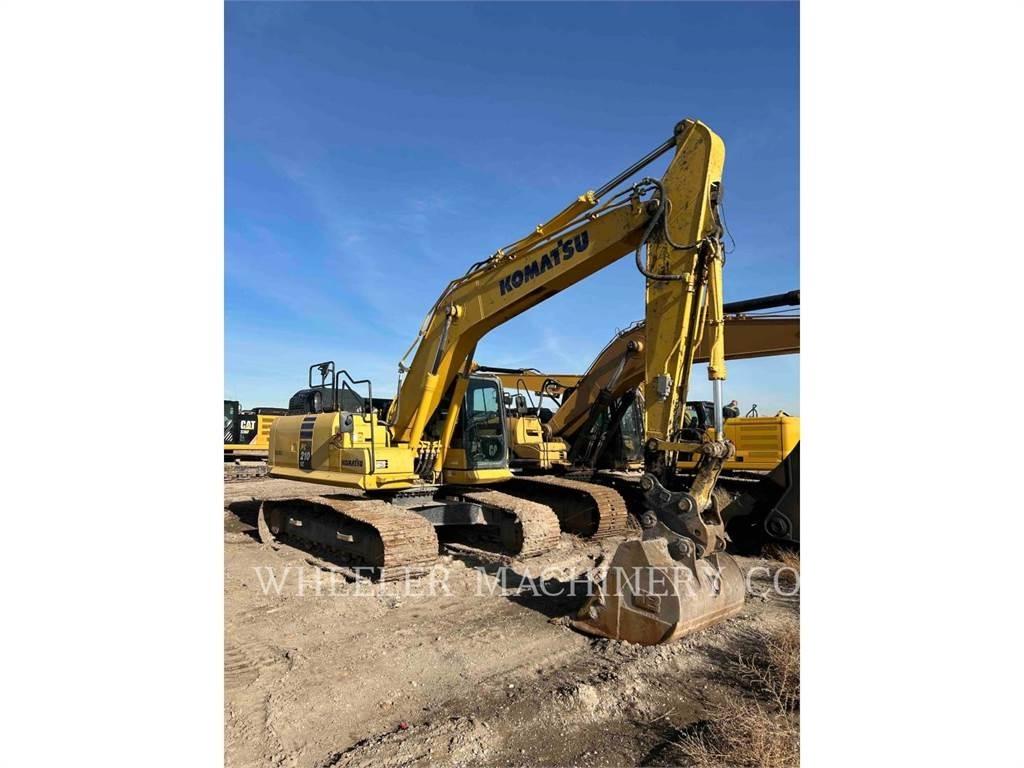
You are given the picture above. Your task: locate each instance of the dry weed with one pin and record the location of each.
(772, 671)
(789, 573)
(760, 729)
(744, 733)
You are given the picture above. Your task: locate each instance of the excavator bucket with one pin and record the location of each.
(649, 597)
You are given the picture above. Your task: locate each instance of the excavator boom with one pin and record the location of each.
(574, 244)
(413, 458)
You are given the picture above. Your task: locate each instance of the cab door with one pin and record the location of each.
(483, 425)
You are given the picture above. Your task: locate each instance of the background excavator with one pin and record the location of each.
(530, 447)
(247, 432)
(598, 424)
(586, 410)
(440, 457)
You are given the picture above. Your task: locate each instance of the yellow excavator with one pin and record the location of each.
(247, 432)
(598, 424)
(600, 411)
(440, 456)
(594, 418)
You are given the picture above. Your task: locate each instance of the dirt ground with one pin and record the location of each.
(447, 670)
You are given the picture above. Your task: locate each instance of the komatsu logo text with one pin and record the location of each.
(563, 251)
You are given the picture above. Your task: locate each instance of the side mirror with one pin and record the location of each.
(520, 402)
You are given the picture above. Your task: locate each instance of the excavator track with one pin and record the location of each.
(589, 510)
(537, 525)
(394, 542)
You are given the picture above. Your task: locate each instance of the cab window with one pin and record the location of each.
(483, 426)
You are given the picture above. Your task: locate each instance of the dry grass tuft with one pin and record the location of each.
(789, 574)
(790, 558)
(744, 733)
(773, 670)
(762, 728)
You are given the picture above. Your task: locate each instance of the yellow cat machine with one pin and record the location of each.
(247, 432)
(439, 457)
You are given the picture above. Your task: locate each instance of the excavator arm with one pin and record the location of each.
(678, 221)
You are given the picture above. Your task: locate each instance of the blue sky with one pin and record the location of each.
(374, 151)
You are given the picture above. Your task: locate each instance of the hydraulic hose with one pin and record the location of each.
(660, 215)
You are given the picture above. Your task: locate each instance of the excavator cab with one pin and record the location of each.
(481, 431)
(618, 433)
(631, 430)
(698, 418)
(614, 436)
(480, 438)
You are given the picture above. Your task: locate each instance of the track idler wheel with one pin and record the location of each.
(650, 596)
